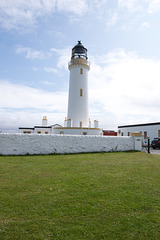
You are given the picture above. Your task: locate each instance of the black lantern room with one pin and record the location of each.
(79, 51)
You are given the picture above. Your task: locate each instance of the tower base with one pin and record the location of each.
(77, 131)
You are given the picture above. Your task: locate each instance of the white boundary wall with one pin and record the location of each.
(21, 144)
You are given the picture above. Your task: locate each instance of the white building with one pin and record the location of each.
(77, 121)
(43, 129)
(150, 130)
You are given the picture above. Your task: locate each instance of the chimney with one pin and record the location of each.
(44, 121)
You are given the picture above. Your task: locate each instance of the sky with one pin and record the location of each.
(123, 42)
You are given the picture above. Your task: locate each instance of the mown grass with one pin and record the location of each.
(80, 197)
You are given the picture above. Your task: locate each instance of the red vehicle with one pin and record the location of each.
(109, 133)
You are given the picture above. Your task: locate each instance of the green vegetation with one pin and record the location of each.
(80, 197)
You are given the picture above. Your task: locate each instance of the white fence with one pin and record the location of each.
(20, 144)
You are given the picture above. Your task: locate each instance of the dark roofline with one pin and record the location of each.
(41, 127)
(140, 125)
(33, 127)
(56, 125)
(26, 128)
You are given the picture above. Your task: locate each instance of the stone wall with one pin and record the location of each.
(21, 144)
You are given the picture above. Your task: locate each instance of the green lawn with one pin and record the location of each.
(80, 197)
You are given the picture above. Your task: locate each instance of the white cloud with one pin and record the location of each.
(22, 105)
(150, 6)
(49, 69)
(113, 17)
(78, 8)
(20, 96)
(146, 25)
(62, 54)
(63, 57)
(126, 87)
(131, 5)
(31, 53)
(154, 6)
(21, 13)
(56, 71)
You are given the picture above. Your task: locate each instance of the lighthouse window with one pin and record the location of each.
(80, 124)
(81, 92)
(81, 70)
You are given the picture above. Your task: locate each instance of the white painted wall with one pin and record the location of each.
(21, 144)
(22, 130)
(43, 130)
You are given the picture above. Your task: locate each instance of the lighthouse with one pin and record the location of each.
(77, 121)
(78, 88)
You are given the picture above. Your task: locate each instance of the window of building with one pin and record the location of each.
(39, 132)
(80, 124)
(84, 133)
(61, 132)
(81, 92)
(145, 135)
(26, 132)
(129, 134)
(46, 132)
(122, 134)
(81, 70)
(158, 133)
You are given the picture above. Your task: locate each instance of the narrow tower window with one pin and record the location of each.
(80, 124)
(81, 92)
(81, 70)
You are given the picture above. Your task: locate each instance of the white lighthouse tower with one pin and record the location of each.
(77, 121)
(78, 88)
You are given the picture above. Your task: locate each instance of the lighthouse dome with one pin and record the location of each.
(79, 51)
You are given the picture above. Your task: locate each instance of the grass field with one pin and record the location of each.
(80, 197)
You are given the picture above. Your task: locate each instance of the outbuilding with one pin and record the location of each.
(151, 130)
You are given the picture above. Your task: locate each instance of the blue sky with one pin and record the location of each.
(123, 42)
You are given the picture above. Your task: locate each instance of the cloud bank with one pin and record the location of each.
(123, 87)
(22, 14)
(16, 14)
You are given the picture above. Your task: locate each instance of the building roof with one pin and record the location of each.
(140, 125)
(54, 125)
(26, 128)
(42, 127)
